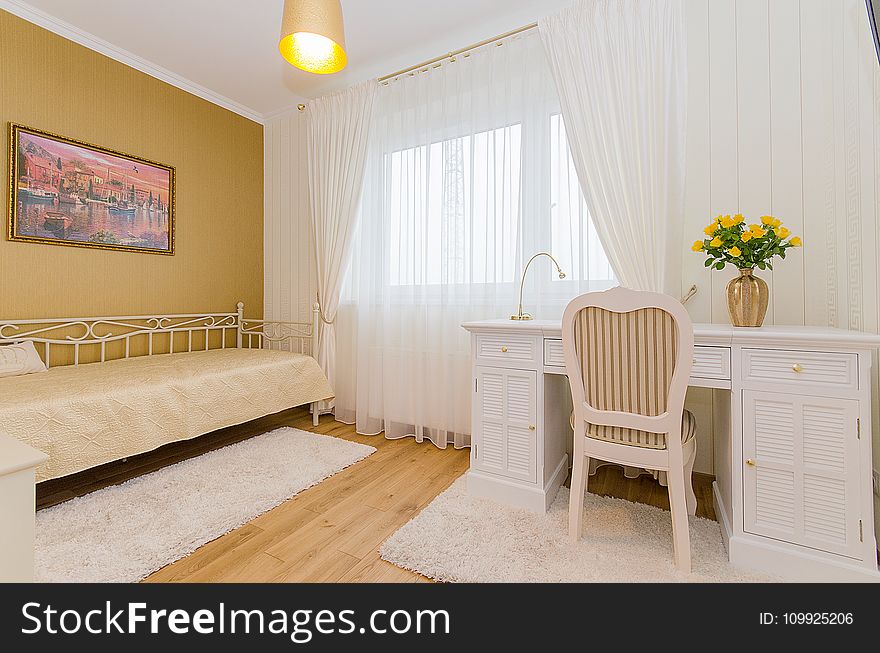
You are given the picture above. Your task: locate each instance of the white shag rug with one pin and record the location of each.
(458, 538)
(125, 532)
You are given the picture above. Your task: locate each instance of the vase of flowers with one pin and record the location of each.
(729, 241)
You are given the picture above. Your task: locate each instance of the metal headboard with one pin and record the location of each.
(139, 335)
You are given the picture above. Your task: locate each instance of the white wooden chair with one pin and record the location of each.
(628, 356)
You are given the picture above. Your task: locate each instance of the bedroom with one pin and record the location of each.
(277, 314)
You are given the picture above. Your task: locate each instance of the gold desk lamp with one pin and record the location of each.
(519, 313)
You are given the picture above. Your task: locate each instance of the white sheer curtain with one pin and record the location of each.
(620, 70)
(338, 133)
(467, 176)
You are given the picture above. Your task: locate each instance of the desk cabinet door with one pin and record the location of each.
(505, 422)
(801, 470)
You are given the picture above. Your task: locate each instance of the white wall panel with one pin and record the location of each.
(786, 151)
(289, 257)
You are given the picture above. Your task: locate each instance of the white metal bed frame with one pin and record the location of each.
(72, 334)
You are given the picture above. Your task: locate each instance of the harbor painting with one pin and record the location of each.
(66, 192)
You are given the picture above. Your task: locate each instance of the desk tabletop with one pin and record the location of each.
(15, 455)
(710, 334)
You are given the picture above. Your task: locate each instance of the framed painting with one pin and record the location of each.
(66, 192)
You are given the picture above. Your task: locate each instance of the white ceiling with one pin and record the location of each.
(227, 50)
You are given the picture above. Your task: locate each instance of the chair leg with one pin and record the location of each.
(690, 496)
(315, 415)
(576, 498)
(680, 532)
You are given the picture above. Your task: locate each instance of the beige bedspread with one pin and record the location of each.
(93, 414)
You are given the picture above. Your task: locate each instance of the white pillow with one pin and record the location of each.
(20, 358)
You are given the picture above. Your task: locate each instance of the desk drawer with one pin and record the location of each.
(553, 355)
(790, 366)
(711, 363)
(507, 347)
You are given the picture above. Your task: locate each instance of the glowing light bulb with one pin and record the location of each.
(313, 53)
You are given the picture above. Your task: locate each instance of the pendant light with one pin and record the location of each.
(313, 35)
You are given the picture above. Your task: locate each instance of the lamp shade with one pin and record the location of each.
(313, 35)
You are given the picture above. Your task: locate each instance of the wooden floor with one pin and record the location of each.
(330, 532)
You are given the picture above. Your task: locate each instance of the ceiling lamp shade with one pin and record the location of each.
(313, 36)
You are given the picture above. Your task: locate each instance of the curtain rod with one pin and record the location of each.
(435, 62)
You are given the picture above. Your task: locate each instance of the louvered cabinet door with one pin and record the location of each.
(801, 470)
(505, 422)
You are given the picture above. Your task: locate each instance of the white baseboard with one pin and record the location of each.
(721, 515)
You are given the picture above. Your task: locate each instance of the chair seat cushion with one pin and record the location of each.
(636, 438)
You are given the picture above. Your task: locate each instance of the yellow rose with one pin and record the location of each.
(746, 236)
(727, 222)
(710, 229)
(735, 252)
(697, 246)
(767, 220)
(776, 222)
(756, 230)
(716, 242)
(782, 232)
(796, 242)
(738, 218)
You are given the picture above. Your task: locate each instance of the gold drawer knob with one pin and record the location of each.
(797, 368)
(504, 350)
(531, 427)
(751, 463)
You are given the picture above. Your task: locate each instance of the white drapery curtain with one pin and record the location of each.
(338, 134)
(620, 71)
(467, 176)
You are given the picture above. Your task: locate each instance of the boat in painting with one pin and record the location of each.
(36, 194)
(55, 221)
(122, 207)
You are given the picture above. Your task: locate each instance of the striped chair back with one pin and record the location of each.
(627, 361)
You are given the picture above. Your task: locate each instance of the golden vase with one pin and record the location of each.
(747, 298)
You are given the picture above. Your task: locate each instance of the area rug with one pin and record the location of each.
(458, 538)
(125, 532)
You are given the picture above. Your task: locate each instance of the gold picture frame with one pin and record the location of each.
(63, 191)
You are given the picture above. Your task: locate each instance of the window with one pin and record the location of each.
(455, 211)
(573, 238)
(458, 202)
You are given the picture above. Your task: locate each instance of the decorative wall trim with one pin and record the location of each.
(284, 111)
(70, 32)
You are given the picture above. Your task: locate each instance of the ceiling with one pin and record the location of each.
(227, 50)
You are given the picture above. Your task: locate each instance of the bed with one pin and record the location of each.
(121, 386)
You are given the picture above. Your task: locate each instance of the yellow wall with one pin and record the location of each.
(50, 83)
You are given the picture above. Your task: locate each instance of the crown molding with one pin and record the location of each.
(92, 42)
(284, 111)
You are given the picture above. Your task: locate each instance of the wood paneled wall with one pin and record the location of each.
(50, 83)
(290, 284)
(784, 118)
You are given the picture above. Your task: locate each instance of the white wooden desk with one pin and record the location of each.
(793, 488)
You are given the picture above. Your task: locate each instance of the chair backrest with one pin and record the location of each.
(628, 355)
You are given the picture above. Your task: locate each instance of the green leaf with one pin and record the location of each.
(708, 262)
(719, 266)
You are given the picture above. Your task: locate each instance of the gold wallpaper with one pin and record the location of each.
(50, 83)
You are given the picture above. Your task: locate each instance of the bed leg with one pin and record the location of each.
(315, 415)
